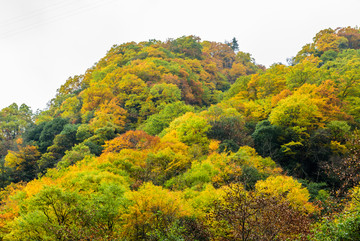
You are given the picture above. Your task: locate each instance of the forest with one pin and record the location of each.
(190, 140)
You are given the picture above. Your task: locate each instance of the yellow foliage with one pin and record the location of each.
(298, 110)
(70, 108)
(9, 208)
(258, 109)
(94, 96)
(289, 189)
(35, 186)
(109, 113)
(214, 146)
(247, 156)
(25, 156)
(153, 207)
(12, 160)
(202, 201)
(329, 41)
(337, 147)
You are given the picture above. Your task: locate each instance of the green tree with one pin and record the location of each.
(49, 131)
(156, 123)
(188, 46)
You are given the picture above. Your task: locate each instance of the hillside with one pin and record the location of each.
(190, 140)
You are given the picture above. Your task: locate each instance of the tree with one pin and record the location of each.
(72, 85)
(165, 93)
(287, 189)
(49, 131)
(131, 140)
(188, 46)
(327, 39)
(58, 214)
(77, 153)
(156, 123)
(344, 70)
(297, 111)
(352, 35)
(266, 138)
(23, 162)
(342, 225)
(14, 120)
(153, 208)
(306, 71)
(242, 215)
(192, 131)
(109, 114)
(345, 168)
(70, 109)
(227, 124)
(233, 44)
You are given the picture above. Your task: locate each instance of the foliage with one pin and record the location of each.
(190, 140)
(242, 215)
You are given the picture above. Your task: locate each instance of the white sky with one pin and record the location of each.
(43, 42)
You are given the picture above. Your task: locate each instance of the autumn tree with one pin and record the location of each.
(327, 39)
(153, 208)
(188, 46)
(344, 167)
(242, 215)
(109, 114)
(131, 140)
(351, 34)
(23, 162)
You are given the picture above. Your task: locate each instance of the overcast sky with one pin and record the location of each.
(43, 42)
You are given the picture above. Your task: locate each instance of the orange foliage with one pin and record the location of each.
(111, 113)
(9, 208)
(282, 95)
(131, 140)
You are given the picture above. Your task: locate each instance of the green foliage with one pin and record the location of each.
(296, 111)
(188, 46)
(197, 176)
(339, 130)
(239, 85)
(50, 130)
(329, 55)
(165, 93)
(14, 120)
(191, 130)
(342, 226)
(227, 124)
(156, 123)
(266, 138)
(57, 214)
(77, 153)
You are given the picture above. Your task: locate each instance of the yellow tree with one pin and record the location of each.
(327, 40)
(109, 113)
(23, 161)
(288, 189)
(153, 209)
